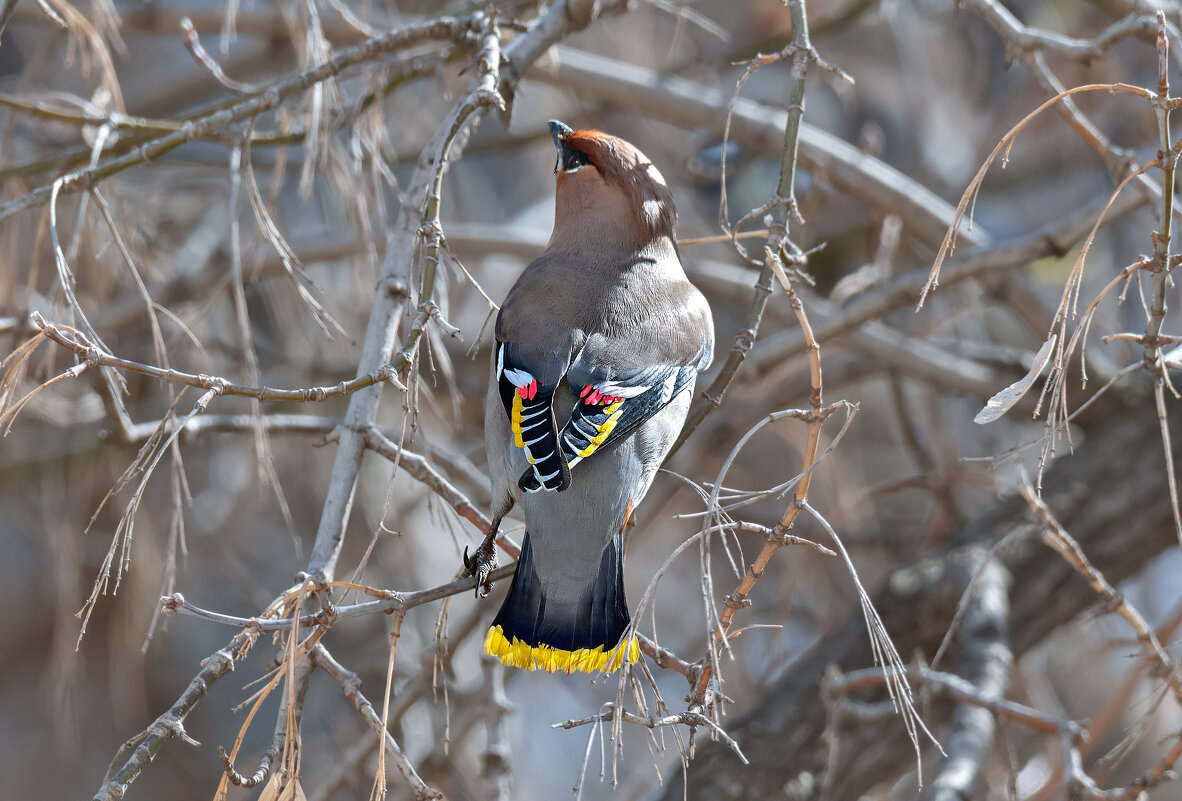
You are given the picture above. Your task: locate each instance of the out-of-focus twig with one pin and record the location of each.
(496, 768)
(952, 685)
(1055, 536)
(6, 8)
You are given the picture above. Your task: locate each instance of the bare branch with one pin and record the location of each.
(170, 724)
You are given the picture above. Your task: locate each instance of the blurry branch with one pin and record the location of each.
(496, 769)
(417, 466)
(681, 102)
(6, 8)
(1056, 537)
(1102, 723)
(170, 724)
(469, 709)
(1118, 160)
(985, 655)
(902, 353)
(89, 115)
(458, 30)
(1023, 40)
(193, 45)
(138, 433)
(838, 684)
(913, 356)
(209, 266)
(1053, 240)
(55, 444)
(263, 22)
(984, 661)
(1162, 667)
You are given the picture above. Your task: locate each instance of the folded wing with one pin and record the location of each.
(527, 391)
(613, 403)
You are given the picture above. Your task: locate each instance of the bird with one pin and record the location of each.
(598, 347)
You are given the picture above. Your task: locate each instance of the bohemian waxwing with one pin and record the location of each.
(597, 348)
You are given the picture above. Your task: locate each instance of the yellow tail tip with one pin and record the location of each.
(515, 653)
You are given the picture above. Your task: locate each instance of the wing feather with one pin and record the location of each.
(529, 402)
(609, 411)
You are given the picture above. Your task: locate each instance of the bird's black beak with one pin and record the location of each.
(569, 159)
(559, 132)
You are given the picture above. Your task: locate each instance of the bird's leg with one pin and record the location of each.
(484, 560)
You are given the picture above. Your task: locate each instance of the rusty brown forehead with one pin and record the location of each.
(589, 139)
(609, 153)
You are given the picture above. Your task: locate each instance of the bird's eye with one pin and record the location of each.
(573, 159)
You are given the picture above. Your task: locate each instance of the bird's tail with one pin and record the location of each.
(564, 634)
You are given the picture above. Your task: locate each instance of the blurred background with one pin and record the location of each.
(254, 252)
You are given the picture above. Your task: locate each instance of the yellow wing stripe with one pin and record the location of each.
(516, 653)
(515, 420)
(605, 428)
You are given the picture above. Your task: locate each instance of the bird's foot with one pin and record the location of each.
(482, 562)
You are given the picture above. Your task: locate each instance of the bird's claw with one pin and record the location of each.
(480, 564)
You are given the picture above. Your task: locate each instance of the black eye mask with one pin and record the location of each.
(570, 160)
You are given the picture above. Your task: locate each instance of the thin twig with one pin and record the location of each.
(691, 718)
(953, 686)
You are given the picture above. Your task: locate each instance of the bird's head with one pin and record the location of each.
(607, 190)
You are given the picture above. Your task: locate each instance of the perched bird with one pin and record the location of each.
(598, 345)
